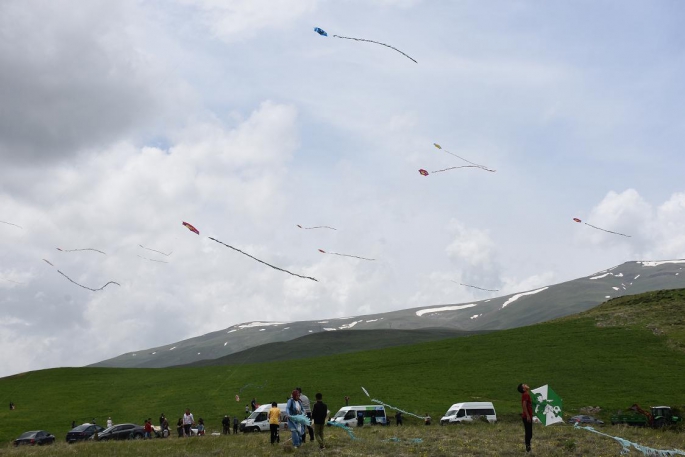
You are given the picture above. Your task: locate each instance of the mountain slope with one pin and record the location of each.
(331, 343)
(595, 358)
(509, 311)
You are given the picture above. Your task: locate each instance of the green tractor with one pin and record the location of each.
(657, 417)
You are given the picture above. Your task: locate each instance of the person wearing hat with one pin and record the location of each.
(527, 413)
(294, 408)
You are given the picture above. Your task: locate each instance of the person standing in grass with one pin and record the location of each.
(527, 413)
(188, 421)
(274, 422)
(308, 412)
(235, 425)
(398, 418)
(226, 422)
(294, 408)
(319, 414)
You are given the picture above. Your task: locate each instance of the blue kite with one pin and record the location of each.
(322, 32)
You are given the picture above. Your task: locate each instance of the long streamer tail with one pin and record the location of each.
(155, 250)
(377, 42)
(80, 285)
(86, 249)
(476, 287)
(9, 223)
(345, 255)
(608, 231)
(261, 261)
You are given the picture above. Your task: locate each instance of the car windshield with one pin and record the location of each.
(26, 435)
(451, 412)
(253, 415)
(340, 414)
(81, 428)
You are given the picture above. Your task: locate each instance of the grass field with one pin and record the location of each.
(479, 439)
(626, 351)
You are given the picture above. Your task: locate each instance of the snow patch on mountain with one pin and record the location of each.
(517, 296)
(443, 308)
(656, 263)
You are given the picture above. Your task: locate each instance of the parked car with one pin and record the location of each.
(582, 419)
(83, 432)
(121, 432)
(39, 437)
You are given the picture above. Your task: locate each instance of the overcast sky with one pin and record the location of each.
(121, 119)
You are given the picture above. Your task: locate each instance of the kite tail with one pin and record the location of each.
(301, 419)
(80, 285)
(261, 261)
(344, 427)
(377, 42)
(348, 255)
(608, 231)
(625, 444)
(397, 409)
(476, 287)
(454, 168)
(9, 223)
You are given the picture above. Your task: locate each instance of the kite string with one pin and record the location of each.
(625, 444)
(261, 261)
(397, 409)
(9, 223)
(377, 42)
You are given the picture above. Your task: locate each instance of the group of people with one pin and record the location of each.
(298, 405)
(226, 424)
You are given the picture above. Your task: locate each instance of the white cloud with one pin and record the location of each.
(239, 19)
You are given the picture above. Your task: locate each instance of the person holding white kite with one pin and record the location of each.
(527, 413)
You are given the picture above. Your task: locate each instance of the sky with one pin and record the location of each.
(121, 119)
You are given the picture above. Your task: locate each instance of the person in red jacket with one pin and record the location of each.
(148, 429)
(527, 413)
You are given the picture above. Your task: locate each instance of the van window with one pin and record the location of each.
(481, 412)
(461, 413)
(350, 415)
(261, 417)
(340, 413)
(376, 413)
(451, 412)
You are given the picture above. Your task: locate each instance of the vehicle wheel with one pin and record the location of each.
(256, 429)
(137, 436)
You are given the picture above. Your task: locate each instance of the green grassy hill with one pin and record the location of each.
(625, 351)
(332, 343)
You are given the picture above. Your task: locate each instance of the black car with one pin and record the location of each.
(122, 432)
(83, 432)
(39, 437)
(582, 419)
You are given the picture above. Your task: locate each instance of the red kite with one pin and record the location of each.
(191, 228)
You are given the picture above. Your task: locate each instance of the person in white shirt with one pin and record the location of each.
(188, 421)
(308, 412)
(109, 422)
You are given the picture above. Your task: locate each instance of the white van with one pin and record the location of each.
(468, 412)
(258, 421)
(372, 414)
